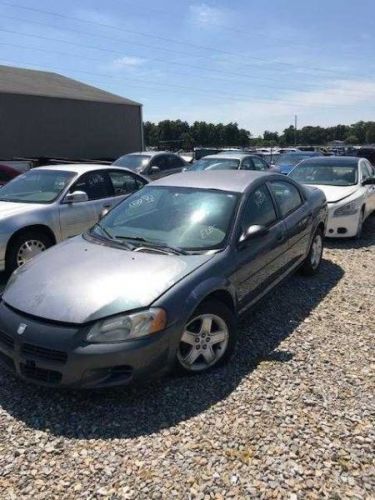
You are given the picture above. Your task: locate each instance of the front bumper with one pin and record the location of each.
(57, 355)
(341, 227)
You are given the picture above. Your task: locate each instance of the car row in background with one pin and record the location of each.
(349, 186)
(49, 204)
(286, 162)
(229, 160)
(152, 164)
(159, 283)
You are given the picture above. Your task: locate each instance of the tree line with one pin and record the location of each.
(178, 134)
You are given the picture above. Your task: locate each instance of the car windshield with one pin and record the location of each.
(36, 186)
(291, 159)
(215, 164)
(133, 162)
(177, 217)
(326, 175)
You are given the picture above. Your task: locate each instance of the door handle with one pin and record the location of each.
(107, 206)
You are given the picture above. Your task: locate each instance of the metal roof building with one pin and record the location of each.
(47, 115)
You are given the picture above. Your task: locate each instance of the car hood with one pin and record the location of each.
(8, 209)
(79, 281)
(336, 193)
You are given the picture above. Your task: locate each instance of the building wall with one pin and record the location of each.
(34, 126)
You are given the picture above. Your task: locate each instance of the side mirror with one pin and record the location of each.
(369, 181)
(103, 213)
(76, 197)
(253, 231)
(155, 169)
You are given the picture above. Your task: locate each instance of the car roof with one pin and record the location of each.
(336, 160)
(81, 168)
(228, 155)
(305, 153)
(224, 180)
(149, 153)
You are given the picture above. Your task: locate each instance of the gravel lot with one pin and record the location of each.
(291, 416)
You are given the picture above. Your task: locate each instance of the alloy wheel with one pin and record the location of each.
(28, 250)
(203, 342)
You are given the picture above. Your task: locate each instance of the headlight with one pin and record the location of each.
(348, 209)
(128, 326)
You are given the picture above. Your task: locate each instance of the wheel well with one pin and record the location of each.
(222, 296)
(37, 228)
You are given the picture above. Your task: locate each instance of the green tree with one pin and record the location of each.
(370, 134)
(351, 139)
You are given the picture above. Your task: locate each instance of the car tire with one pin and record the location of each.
(25, 246)
(208, 339)
(358, 234)
(312, 262)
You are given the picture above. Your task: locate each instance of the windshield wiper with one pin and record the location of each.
(108, 234)
(175, 250)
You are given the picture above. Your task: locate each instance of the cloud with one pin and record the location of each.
(126, 62)
(342, 101)
(206, 15)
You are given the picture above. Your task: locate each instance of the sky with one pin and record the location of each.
(257, 63)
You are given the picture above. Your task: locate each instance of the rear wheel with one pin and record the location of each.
(312, 262)
(208, 338)
(26, 246)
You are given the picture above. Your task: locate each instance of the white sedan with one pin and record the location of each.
(349, 186)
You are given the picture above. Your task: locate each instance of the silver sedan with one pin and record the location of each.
(49, 204)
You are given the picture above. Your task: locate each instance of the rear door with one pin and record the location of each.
(161, 162)
(295, 212)
(76, 218)
(176, 164)
(262, 259)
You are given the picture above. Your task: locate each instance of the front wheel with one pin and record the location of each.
(312, 262)
(26, 246)
(208, 338)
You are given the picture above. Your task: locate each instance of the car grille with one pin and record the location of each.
(44, 353)
(40, 374)
(6, 340)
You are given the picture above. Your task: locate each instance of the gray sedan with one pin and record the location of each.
(49, 204)
(229, 160)
(160, 281)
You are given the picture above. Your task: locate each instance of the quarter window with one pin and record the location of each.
(287, 196)
(124, 183)
(259, 209)
(259, 164)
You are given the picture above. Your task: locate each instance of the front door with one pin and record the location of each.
(75, 218)
(261, 260)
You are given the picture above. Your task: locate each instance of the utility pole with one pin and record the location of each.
(295, 130)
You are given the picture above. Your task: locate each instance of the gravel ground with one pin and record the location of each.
(290, 417)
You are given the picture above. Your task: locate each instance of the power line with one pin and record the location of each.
(174, 63)
(168, 87)
(165, 39)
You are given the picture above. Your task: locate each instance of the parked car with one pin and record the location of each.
(286, 162)
(349, 186)
(153, 165)
(229, 161)
(48, 204)
(161, 280)
(368, 153)
(7, 174)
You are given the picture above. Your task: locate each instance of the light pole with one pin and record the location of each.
(295, 130)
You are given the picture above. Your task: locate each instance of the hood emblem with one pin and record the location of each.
(21, 328)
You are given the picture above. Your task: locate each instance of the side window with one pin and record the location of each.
(259, 164)
(175, 161)
(287, 196)
(247, 164)
(4, 177)
(365, 171)
(161, 162)
(124, 182)
(259, 209)
(96, 185)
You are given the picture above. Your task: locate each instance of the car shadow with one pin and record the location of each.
(134, 411)
(365, 241)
